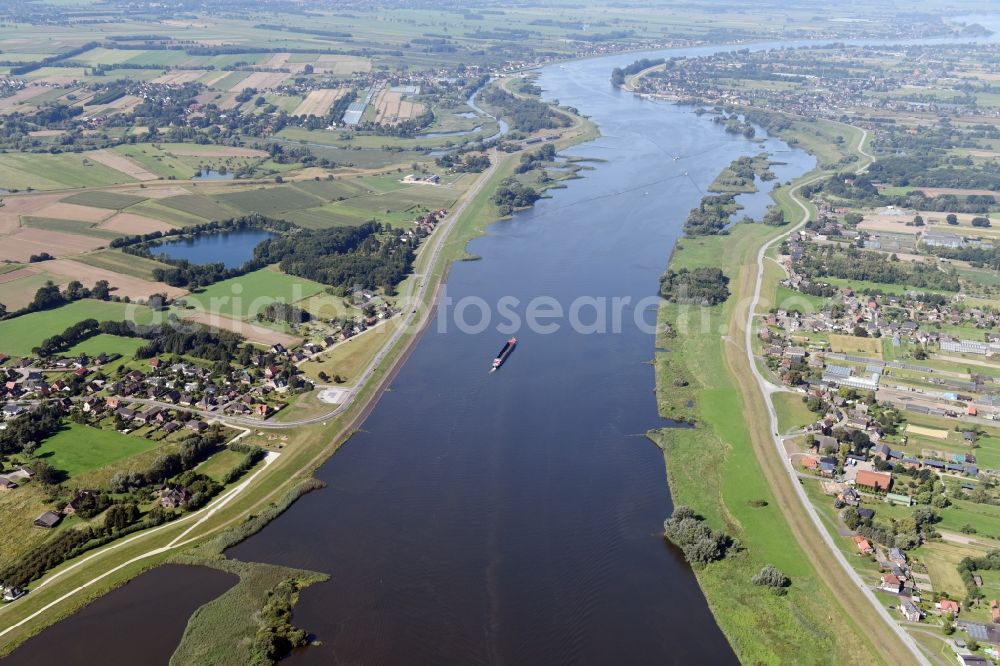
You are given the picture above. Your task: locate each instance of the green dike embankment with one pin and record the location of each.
(714, 469)
(727, 469)
(76, 583)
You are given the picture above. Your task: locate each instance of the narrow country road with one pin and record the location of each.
(767, 389)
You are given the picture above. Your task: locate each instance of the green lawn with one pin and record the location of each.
(19, 335)
(245, 296)
(220, 464)
(107, 344)
(792, 412)
(78, 448)
(984, 517)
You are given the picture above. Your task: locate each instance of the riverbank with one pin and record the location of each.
(728, 470)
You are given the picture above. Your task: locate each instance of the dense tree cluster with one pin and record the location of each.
(928, 171)
(526, 115)
(699, 542)
(855, 264)
(30, 429)
(905, 533)
(277, 635)
(252, 455)
(285, 313)
(712, 215)
(970, 565)
(513, 194)
(464, 163)
(618, 74)
(193, 451)
(775, 216)
(529, 161)
(703, 285)
(977, 255)
(369, 255)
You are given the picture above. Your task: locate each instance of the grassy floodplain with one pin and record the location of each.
(713, 468)
(728, 470)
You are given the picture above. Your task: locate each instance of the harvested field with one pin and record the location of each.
(890, 223)
(17, 274)
(97, 199)
(175, 78)
(20, 98)
(118, 162)
(117, 261)
(26, 242)
(194, 150)
(45, 133)
(938, 191)
(15, 207)
(67, 226)
(927, 432)
(69, 211)
(260, 81)
(125, 104)
(850, 344)
(251, 332)
(318, 102)
(132, 224)
(19, 292)
(227, 101)
(390, 107)
(155, 192)
(276, 61)
(342, 65)
(125, 285)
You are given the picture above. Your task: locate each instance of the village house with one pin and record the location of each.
(171, 498)
(13, 593)
(48, 520)
(863, 546)
(947, 606)
(890, 583)
(875, 481)
(909, 611)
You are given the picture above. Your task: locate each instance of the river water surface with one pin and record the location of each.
(516, 517)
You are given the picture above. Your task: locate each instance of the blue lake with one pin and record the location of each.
(232, 248)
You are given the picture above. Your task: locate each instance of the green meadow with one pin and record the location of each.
(78, 448)
(242, 297)
(18, 336)
(107, 344)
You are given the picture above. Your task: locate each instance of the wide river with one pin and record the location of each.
(516, 517)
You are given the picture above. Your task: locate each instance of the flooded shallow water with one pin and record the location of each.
(139, 623)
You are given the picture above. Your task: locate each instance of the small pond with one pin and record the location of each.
(212, 174)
